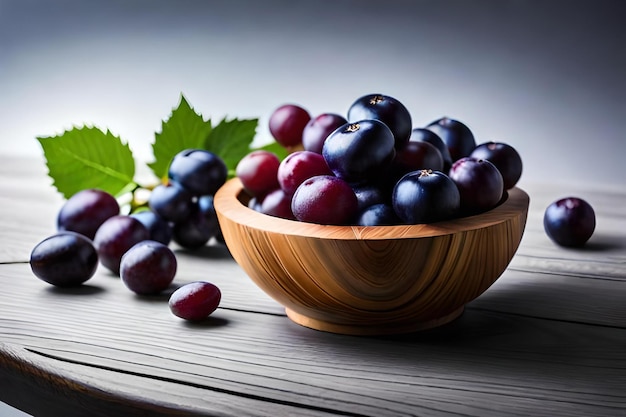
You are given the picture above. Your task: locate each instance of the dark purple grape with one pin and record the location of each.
(371, 193)
(85, 211)
(457, 136)
(299, 166)
(258, 172)
(387, 110)
(148, 267)
(195, 301)
(425, 135)
(199, 227)
(378, 215)
(324, 199)
(358, 152)
(569, 221)
(277, 203)
(504, 157)
(171, 202)
(479, 182)
(318, 129)
(287, 123)
(116, 235)
(65, 259)
(158, 228)
(198, 171)
(416, 156)
(425, 197)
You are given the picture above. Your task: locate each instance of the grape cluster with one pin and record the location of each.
(373, 168)
(92, 230)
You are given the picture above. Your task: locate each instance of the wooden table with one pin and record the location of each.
(547, 339)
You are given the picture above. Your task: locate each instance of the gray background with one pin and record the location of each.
(544, 76)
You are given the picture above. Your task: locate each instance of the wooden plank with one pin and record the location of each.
(45, 386)
(478, 366)
(484, 363)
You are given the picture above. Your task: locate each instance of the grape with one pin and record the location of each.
(85, 211)
(504, 157)
(171, 202)
(148, 267)
(368, 194)
(378, 215)
(195, 301)
(425, 197)
(479, 182)
(358, 152)
(198, 171)
(387, 110)
(324, 199)
(258, 172)
(287, 123)
(425, 135)
(278, 204)
(299, 166)
(199, 227)
(158, 228)
(65, 259)
(116, 235)
(569, 221)
(457, 136)
(415, 156)
(318, 129)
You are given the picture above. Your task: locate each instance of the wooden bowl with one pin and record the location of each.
(368, 280)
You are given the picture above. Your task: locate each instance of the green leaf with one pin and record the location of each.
(231, 139)
(87, 157)
(185, 129)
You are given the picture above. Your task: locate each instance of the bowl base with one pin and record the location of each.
(372, 330)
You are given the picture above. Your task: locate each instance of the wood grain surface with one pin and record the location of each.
(548, 338)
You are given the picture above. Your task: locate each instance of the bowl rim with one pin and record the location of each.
(228, 203)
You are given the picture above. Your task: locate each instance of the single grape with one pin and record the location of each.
(324, 199)
(416, 156)
(65, 259)
(318, 129)
(258, 172)
(277, 203)
(195, 301)
(368, 194)
(425, 197)
(116, 235)
(425, 135)
(148, 267)
(479, 182)
(299, 166)
(199, 227)
(158, 228)
(387, 110)
(358, 152)
(456, 135)
(287, 123)
(378, 215)
(198, 171)
(171, 202)
(504, 157)
(569, 221)
(85, 211)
